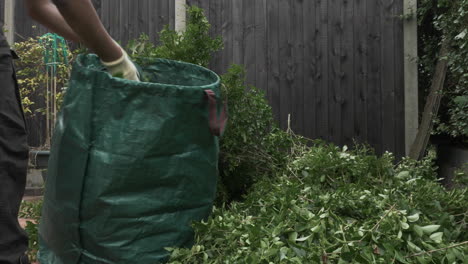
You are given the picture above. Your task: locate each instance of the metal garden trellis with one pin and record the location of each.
(55, 53)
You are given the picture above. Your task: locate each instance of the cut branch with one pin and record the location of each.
(436, 250)
(432, 105)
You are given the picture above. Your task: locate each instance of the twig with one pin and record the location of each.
(383, 217)
(436, 250)
(380, 221)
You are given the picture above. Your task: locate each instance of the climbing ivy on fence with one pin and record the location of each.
(439, 19)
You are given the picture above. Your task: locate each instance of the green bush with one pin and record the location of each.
(32, 74)
(446, 19)
(252, 147)
(194, 45)
(338, 206)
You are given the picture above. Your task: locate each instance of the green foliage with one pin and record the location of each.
(32, 74)
(252, 147)
(361, 210)
(446, 19)
(194, 45)
(32, 212)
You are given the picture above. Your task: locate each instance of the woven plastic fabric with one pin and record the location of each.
(132, 164)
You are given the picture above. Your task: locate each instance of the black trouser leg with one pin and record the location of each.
(13, 164)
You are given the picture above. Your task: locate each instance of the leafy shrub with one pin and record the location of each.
(253, 146)
(388, 215)
(32, 74)
(32, 212)
(446, 19)
(194, 45)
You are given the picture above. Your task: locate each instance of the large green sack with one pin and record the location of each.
(132, 164)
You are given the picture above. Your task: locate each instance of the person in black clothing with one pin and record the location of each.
(77, 21)
(13, 160)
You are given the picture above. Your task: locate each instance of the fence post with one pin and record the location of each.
(180, 15)
(410, 39)
(9, 20)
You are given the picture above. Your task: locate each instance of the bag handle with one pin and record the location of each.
(217, 123)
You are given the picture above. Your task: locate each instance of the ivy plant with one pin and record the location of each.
(439, 20)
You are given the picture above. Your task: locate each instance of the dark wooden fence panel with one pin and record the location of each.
(2, 10)
(25, 27)
(128, 19)
(125, 19)
(334, 66)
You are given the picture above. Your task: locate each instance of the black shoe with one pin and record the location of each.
(24, 260)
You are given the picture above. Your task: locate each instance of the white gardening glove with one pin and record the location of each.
(123, 68)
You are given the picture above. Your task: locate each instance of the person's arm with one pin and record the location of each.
(83, 19)
(46, 13)
(78, 20)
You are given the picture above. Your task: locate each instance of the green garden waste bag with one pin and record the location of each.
(132, 164)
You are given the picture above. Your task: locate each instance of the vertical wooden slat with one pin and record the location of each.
(237, 31)
(323, 73)
(360, 71)
(335, 97)
(261, 45)
(273, 28)
(216, 22)
(124, 21)
(248, 46)
(158, 11)
(133, 17)
(114, 13)
(153, 11)
(171, 16)
(105, 17)
(296, 70)
(388, 77)
(2, 11)
(347, 73)
(310, 68)
(164, 14)
(286, 63)
(142, 18)
(226, 30)
(399, 81)
(374, 107)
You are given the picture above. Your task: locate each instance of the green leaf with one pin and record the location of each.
(413, 247)
(316, 229)
(413, 217)
(302, 239)
(437, 237)
(293, 236)
(419, 231)
(404, 225)
(283, 252)
(403, 175)
(299, 252)
(429, 229)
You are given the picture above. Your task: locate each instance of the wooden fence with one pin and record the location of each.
(334, 66)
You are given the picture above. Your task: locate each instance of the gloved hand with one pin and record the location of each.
(122, 67)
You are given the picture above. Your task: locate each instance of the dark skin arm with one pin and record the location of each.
(78, 21)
